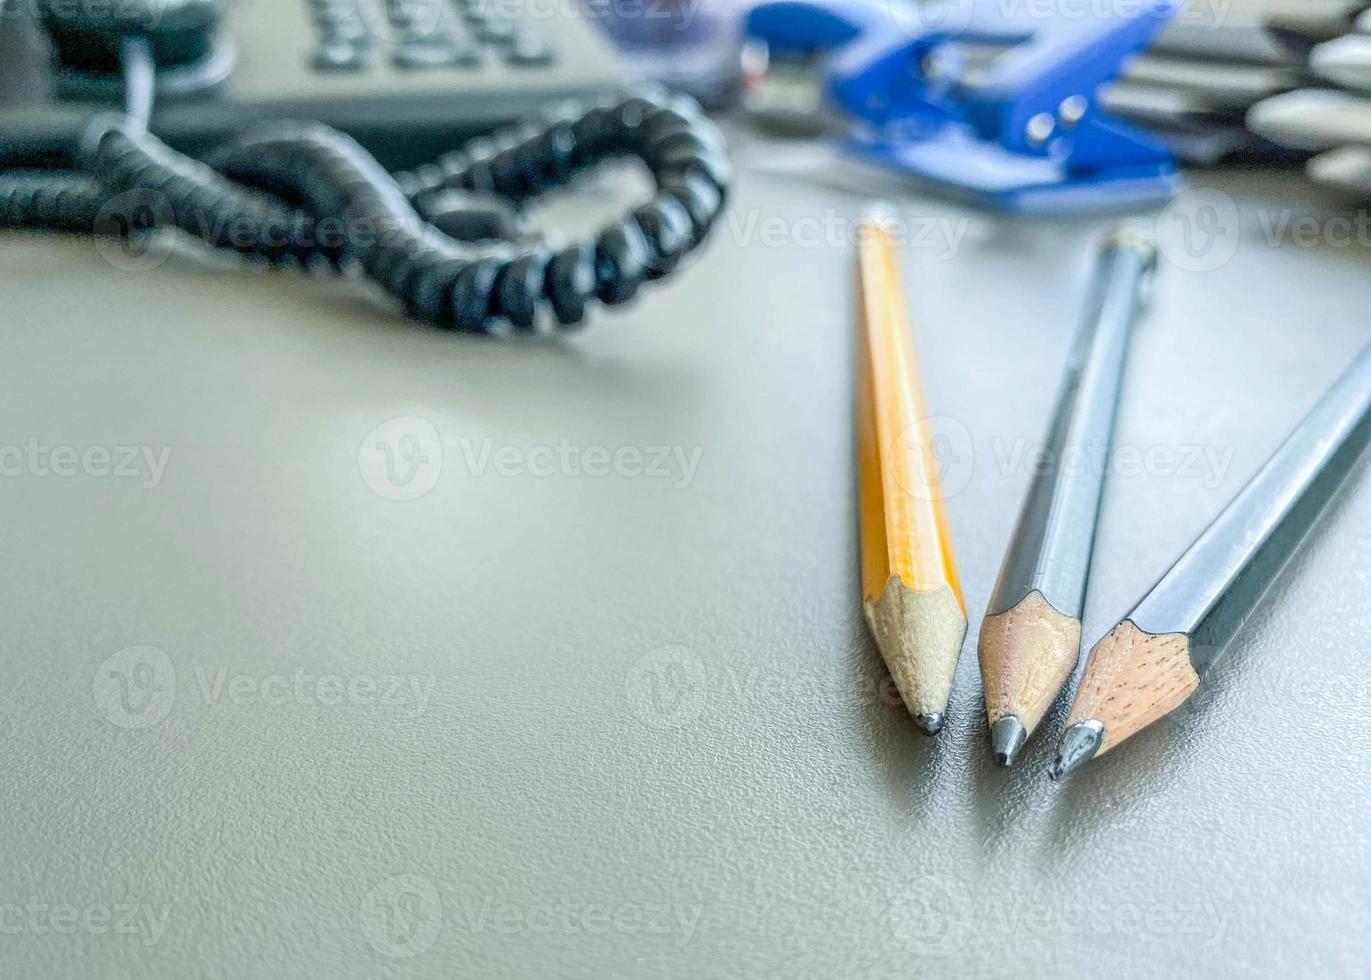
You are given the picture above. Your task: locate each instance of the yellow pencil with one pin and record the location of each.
(910, 591)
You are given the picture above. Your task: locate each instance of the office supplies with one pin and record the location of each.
(307, 195)
(1346, 61)
(1024, 133)
(1165, 109)
(1031, 635)
(1153, 661)
(1322, 119)
(786, 43)
(1230, 62)
(911, 594)
(690, 46)
(1347, 168)
(408, 79)
(1194, 106)
(1196, 132)
(1241, 30)
(1216, 86)
(1236, 57)
(1028, 135)
(1301, 30)
(1314, 119)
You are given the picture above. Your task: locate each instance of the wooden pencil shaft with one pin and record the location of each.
(1050, 550)
(903, 522)
(1216, 584)
(910, 592)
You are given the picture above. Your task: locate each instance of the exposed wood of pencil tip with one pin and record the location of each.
(920, 636)
(1027, 653)
(911, 593)
(1133, 679)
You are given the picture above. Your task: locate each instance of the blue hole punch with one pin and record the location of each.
(1026, 135)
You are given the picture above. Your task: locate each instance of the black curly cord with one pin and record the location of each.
(304, 193)
(140, 78)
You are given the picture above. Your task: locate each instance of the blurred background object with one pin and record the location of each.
(1021, 129)
(1330, 113)
(408, 78)
(786, 45)
(1195, 87)
(690, 45)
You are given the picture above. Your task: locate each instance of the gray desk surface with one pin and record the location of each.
(639, 729)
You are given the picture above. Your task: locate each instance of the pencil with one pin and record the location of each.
(1153, 661)
(911, 595)
(1031, 636)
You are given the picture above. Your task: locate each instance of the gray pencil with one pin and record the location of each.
(1152, 662)
(1031, 635)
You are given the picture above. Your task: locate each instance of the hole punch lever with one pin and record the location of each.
(1028, 134)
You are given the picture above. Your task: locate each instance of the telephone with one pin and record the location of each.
(404, 77)
(233, 123)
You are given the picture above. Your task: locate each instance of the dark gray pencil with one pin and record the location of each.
(1031, 635)
(1152, 662)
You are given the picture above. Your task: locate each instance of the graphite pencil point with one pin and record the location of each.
(1007, 737)
(1079, 744)
(930, 722)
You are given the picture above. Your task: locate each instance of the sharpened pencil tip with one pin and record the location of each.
(930, 722)
(1078, 746)
(1007, 737)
